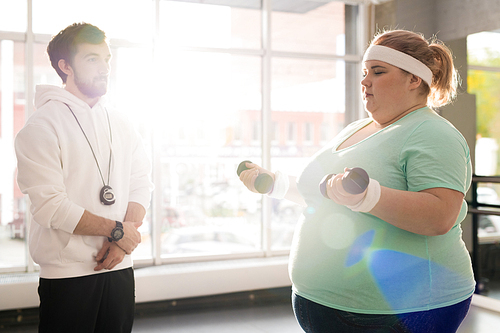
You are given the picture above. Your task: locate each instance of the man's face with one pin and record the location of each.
(91, 66)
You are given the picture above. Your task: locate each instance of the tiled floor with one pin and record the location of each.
(259, 315)
(277, 318)
(272, 319)
(480, 321)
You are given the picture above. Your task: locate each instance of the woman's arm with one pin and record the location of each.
(249, 176)
(293, 193)
(430, 212)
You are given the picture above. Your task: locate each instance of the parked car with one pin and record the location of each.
(487, 195)
(204, 240)
(489, 229)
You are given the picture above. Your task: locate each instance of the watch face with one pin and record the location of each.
(117, 234)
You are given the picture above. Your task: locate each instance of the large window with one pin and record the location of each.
(484, 82)
(12, 205)
(129, 20)
(208, 84)
(210, 96)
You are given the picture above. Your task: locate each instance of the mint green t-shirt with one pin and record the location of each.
(357, 262)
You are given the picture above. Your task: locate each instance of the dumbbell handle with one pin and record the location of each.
(354, 181)
(264, 182)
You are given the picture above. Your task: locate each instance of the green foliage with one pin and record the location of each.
(486, 86)
(490, 58)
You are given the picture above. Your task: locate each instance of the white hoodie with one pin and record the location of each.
(58, 172)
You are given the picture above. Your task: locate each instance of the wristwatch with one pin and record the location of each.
(117, 233)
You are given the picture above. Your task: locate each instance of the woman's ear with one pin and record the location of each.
(415, 81)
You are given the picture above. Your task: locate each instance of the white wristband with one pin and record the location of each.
(281, 185)
(370, 199)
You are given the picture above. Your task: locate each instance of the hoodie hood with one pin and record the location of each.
(47, 93)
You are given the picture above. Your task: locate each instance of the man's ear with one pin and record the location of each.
(65, 67)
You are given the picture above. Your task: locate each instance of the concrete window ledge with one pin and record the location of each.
(170, 282)
(185, 280)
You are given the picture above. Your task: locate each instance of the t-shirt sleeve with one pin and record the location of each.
(436, 155)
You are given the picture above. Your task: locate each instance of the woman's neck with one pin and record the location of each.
(384, 122)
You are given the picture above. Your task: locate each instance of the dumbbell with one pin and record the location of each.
(264, 182)
(354, 181)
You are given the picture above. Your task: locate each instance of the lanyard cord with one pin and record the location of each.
(110, 149)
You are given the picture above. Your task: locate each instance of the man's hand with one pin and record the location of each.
(109, 256)
(131, 237)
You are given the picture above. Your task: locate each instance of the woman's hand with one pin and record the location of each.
(362, 202)
(339, 195)
(249, 176)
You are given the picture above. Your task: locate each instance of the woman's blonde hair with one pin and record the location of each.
(434, 54)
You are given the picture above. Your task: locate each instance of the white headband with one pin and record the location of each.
(399, 59)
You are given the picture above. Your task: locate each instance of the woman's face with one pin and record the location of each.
(385, 91)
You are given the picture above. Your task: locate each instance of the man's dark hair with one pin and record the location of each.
(64, 44)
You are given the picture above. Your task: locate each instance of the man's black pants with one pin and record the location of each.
(90, 304)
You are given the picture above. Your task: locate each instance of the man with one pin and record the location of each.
(86, 174)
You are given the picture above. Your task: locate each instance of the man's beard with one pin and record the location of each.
(89, 89)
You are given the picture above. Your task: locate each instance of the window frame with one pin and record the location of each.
(352, 58)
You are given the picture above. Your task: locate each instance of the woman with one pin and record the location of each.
(390, 259)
